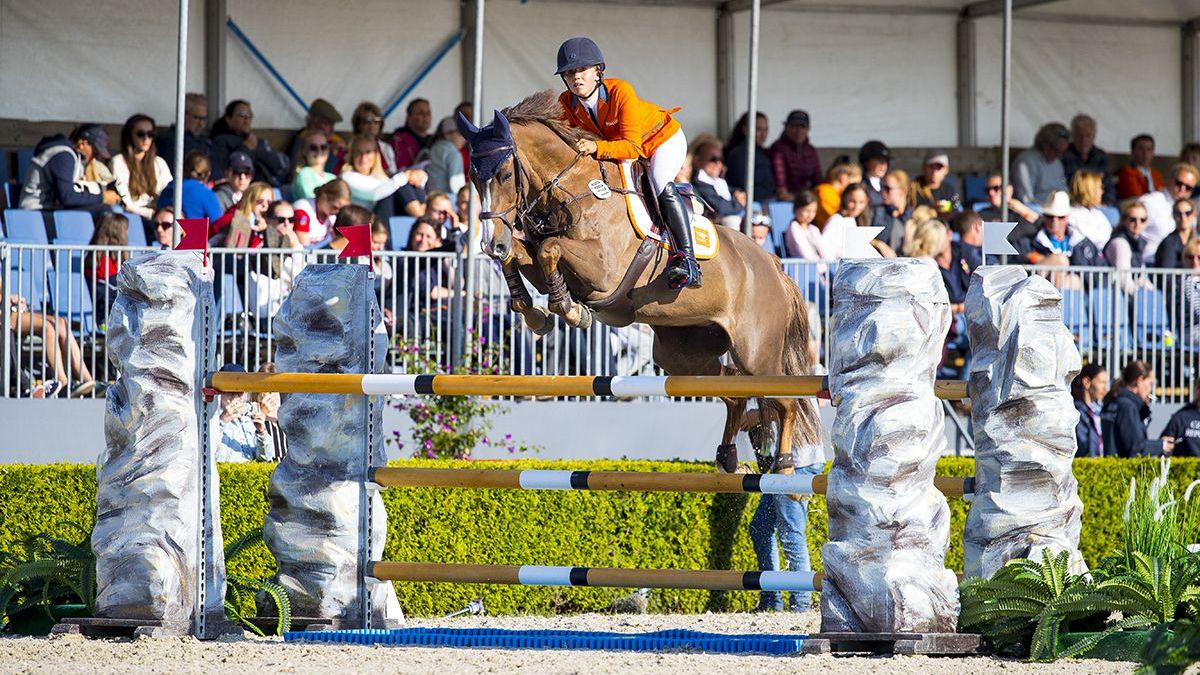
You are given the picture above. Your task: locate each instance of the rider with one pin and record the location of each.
(629, 128)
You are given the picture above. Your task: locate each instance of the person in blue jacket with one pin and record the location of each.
(199, 201)
(55, 176)
(1126, 415)
(1184, 427)
(1088, 389)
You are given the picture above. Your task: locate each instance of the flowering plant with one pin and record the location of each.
(450, 427)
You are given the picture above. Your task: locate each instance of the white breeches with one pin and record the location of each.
(667, 160)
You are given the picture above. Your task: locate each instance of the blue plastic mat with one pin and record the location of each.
(676, 639)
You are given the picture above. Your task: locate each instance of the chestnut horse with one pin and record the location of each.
(577, 247)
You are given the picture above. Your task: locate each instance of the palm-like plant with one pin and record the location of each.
(1171, 648)
(240, 590)
(56, 571)
(1020, 604)
(1152, 591)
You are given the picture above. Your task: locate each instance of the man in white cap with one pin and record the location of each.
(1056, 242)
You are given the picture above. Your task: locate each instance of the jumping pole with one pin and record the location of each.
(542, 385)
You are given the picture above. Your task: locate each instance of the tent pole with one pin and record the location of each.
(180, 93)
(752, 115)
(472, 209)
(1005, 105)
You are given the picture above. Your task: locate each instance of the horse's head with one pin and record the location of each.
(492, 165)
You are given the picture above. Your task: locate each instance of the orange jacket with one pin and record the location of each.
(1132, 183)
(629, 127)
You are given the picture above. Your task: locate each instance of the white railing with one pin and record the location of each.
(1150, 315)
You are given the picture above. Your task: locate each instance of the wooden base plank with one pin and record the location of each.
(929, 644)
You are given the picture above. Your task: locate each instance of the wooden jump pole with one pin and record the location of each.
(631, 481)
(540, 575)
(541, 385)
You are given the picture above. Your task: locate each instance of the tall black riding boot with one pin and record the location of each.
(682, 269)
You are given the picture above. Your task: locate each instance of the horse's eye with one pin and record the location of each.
(505, 176)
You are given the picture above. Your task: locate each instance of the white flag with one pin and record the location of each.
(995, 239)
(857, 243)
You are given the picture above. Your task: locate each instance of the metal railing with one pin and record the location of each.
(1115, 316)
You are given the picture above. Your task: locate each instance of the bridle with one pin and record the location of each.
(523, 205)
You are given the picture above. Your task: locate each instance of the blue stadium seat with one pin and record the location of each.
(10, 194)
(1111, 328)
(137, 229)
(285, 192)
(25, 227)
(5, 178)
(1149, 317)
(73, 227)
(1112, 213)
(24, 159)
(400, 227)
(974, 188)
(979, 206)
(781, 218)
(1075, 316)
(29, 270)
(70, 295)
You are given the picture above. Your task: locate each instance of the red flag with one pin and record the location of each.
(358, 241)
(195, 235)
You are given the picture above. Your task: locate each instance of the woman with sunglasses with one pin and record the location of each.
(368, 121)
(141, 175)
(271, 280)
(709, 182)
(1170, 252)
(310, 170)
(1125, 250)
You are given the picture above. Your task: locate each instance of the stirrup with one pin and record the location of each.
(682, 270)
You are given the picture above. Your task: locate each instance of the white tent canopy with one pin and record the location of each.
(864, 69)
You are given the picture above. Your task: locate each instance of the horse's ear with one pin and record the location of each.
(465, 127)
(500, 124)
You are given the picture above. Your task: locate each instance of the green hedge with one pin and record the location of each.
(603, 529)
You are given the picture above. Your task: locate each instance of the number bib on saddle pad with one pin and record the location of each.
(703, 231)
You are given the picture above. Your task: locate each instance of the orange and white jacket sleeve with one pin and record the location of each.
(624, 104)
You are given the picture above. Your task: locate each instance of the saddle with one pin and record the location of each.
(641, 202)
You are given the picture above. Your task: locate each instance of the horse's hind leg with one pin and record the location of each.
(574, 313)
(536, 318)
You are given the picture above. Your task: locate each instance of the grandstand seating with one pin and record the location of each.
(400, 227)
(137, 229)
(25, 227)
(73, 227)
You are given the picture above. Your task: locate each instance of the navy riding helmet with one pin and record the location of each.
(578, 52)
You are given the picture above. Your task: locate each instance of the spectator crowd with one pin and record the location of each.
(1071, 208)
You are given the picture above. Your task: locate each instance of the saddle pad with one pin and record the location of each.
(704, 233)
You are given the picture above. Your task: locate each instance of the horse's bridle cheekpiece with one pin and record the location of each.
(491, 147)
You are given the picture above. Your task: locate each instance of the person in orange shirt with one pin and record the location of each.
(629, 128)
(1138, 177)
(841, 175)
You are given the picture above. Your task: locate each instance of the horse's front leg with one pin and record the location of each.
(520, 301)
(574, 313)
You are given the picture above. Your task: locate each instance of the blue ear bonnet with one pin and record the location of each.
(491, 146)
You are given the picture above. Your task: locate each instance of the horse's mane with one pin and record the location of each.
(544, 108)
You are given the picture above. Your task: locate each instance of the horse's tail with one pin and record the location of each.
(798, 360)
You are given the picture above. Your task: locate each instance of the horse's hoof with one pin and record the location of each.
(540, 322)
(585, 318)
(727, 458)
